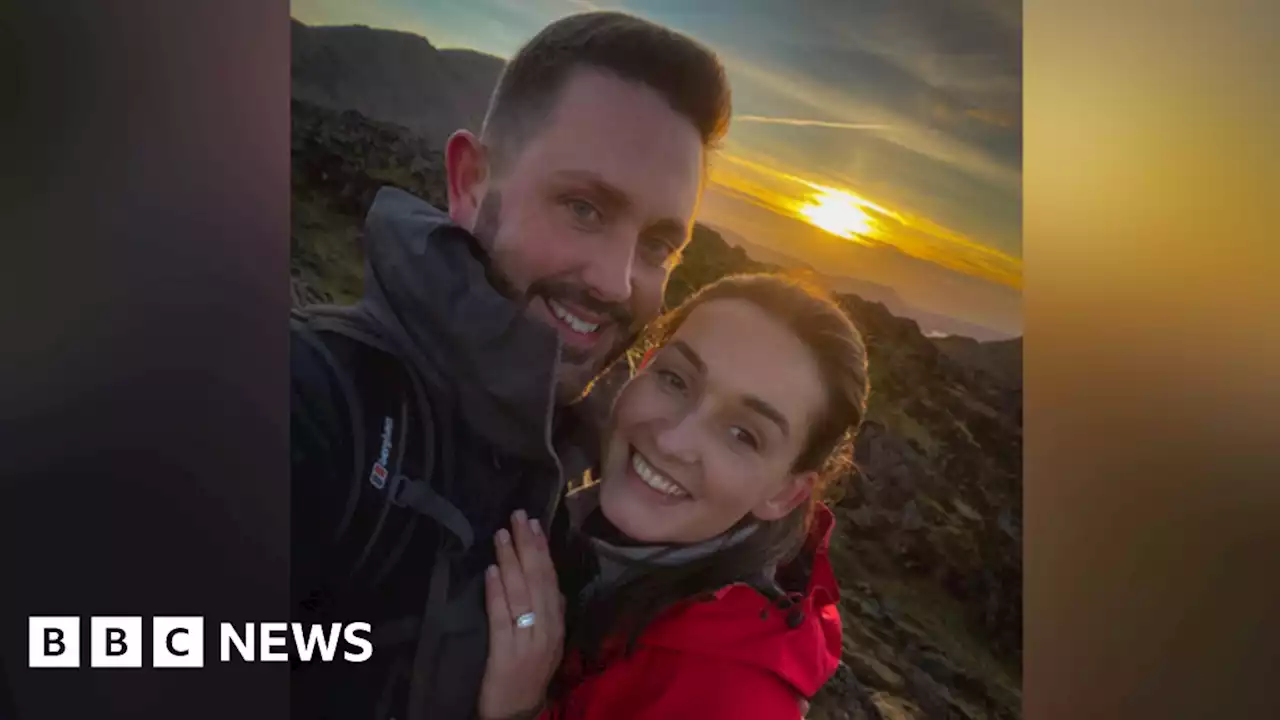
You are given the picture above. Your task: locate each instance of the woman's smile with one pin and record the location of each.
(643, 471)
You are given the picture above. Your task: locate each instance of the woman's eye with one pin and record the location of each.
(583, 211)
(744, 437)
(672, 380)
(656, 252)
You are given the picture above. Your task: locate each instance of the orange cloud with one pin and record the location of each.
(846, 213)
(801, 122)
(991, 117)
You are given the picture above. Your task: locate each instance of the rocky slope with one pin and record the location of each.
(1001, 360)
(393, 76)
(928, 546)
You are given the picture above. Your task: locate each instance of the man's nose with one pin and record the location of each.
(608, 270)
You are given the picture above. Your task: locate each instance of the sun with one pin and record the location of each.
(839, 213)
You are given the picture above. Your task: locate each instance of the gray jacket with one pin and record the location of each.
(458, 409)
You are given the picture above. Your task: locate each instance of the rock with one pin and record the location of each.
(966, 511)
(844, 696)
(937, 666)
(911, 519)
(891, 707)
(932, 697)
(863, 517)
(873, 672)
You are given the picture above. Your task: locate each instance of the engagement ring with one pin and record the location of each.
(525, 620)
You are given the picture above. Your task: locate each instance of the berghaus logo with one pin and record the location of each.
(379, 475)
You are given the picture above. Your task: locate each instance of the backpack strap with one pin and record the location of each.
(341, 365)
(450, 607)
(372, 540)
(425, 669)
(355, 414)
(419, 495)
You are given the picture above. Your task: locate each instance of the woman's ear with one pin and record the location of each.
(467, 168)
(797, 489)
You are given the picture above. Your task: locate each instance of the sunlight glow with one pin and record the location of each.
(840, 210)
(839, 213)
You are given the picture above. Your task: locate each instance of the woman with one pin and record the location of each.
(701, 586)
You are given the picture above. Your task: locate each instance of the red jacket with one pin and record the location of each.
(722, 659)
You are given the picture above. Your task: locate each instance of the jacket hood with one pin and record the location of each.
(427, 294)
(743, 626)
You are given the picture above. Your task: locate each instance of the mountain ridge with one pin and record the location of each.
(869, 290)
(393, 76)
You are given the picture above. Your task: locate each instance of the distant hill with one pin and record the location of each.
(949, 326)
(393, 76)
(929, 322)
(999, 359)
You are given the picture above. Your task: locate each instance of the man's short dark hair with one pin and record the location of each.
(684, 72)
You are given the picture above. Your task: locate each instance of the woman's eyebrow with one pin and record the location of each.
(750, 401)
(769, 411)
(683, 348)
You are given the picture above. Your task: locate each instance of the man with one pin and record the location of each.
(447, 399)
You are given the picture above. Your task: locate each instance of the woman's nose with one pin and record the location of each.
(679, 440)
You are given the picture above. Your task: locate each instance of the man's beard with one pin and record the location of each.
(615, 314)
(487, 226)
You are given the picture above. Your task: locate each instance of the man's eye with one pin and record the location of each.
(583, 211)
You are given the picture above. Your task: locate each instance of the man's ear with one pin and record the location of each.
(797, 489)
(467, 167)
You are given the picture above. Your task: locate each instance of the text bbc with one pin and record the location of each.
(178, 642)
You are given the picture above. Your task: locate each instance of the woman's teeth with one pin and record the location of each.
(654, 479)
(578, 324)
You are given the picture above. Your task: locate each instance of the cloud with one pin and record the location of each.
(801, 122)
(767, 184)
(906, 132)
(992, 117)
(922, 284)
(968, 52)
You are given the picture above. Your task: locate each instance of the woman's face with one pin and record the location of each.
(710, 430)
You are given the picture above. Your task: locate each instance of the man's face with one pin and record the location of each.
(589, 217)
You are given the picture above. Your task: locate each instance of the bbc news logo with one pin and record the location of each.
(178, 642)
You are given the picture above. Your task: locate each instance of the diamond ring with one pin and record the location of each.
(525, 620)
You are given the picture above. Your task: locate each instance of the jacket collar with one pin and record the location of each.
(427, 294)
(616, 560)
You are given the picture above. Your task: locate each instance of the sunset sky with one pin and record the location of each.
(878, 139)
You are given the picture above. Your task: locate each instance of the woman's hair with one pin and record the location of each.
(823, 327)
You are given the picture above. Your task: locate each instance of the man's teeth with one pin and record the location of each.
(653, 479)
(578, 324)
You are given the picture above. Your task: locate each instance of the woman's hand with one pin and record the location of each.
(526, 623)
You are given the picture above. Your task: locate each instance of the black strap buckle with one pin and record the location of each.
(405, 491)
